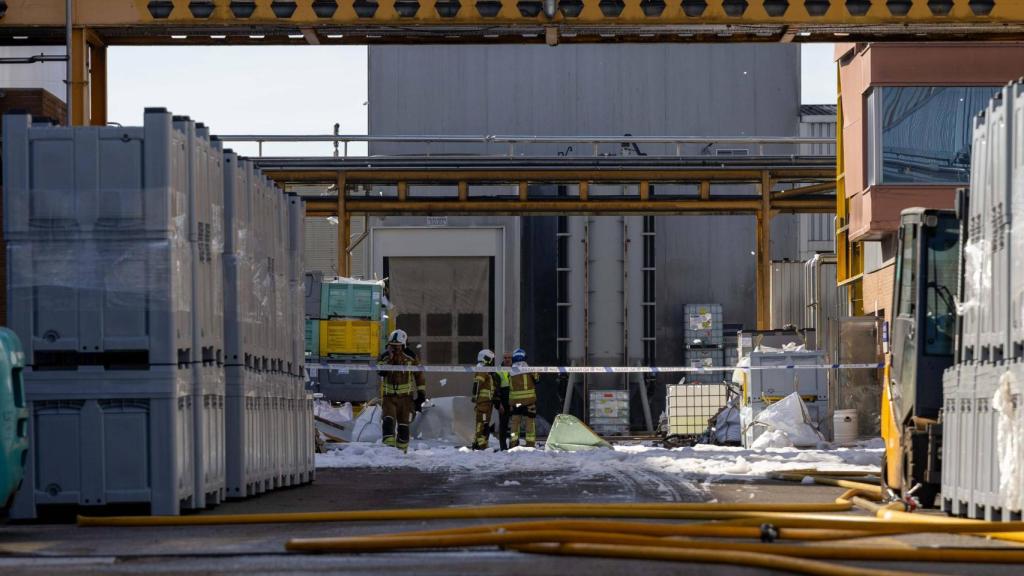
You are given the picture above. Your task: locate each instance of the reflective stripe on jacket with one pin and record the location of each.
(523, 387)
(400, 383)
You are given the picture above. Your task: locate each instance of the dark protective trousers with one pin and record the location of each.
(396, 415)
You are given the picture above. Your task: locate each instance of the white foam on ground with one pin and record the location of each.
(697, 461)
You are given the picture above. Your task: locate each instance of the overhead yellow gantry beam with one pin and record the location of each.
(813, 194)
(519, 21)
(97, 24)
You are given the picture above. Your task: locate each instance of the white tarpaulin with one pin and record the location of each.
(789, 417)
(1008, 433)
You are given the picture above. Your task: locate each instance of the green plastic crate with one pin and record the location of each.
(312, 338)
(350, 300)
(13, 416)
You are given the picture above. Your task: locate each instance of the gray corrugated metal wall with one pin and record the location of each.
(817, 232)
(604, 90)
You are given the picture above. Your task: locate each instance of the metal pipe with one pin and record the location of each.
(34, 59)
(68, 67)
(512, 140)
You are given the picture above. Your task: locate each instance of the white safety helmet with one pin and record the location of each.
(398, 337)
(485, 356)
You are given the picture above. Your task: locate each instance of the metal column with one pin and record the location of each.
(344, 227)
(764, 253)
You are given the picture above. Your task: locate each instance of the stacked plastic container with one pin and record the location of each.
(704, 340)
(130, 312)
(982, 475)
(269, 419)
(350, 325)
(100, 290)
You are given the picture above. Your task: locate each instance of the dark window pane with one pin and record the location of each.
(410, 323)
(563, 286)
(439, 352)
(468, 352)
(563, 251)
(563, 352)
(926, 132)
(439, 324)
(563, 322)
(471, 324)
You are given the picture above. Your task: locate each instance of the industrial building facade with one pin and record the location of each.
(907, 112)
(639, 272)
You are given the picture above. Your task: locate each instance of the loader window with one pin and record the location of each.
(941, 247)
(907, 272)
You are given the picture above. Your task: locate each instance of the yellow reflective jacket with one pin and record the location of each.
(524, 388)
(483, 387)
(400, 383)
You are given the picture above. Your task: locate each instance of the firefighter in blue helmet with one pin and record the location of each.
(523, 401)
(402, 394)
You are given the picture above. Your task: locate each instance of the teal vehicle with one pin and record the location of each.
(13, 416)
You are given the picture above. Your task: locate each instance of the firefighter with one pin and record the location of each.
(504, 410)
(402, 394)
(523, 399)
(483, 397)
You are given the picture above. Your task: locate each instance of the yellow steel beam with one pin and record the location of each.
(521, 21)
(344, 223)
(98, 84)
(574, 176)
(804, 190)
(453, 206)
(79, 114)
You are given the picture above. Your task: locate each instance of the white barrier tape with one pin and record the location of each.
(346, 368)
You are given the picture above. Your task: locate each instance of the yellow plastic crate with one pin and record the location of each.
(349, 337)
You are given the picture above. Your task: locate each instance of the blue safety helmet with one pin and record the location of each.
(519, 355)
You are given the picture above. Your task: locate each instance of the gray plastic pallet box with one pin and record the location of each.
(101, 302)
(89, 182)
(108, 437)
(209, 436)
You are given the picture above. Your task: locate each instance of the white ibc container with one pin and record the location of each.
(977, 269)
(296, 237)
(246, 472)
(297, 328)
(108, 303)
(240, 313)
(206, 236)
(93, 181)
(109, 437)
(1017, 228)
(951, 443)
(994, 332)
(209, 421)
(965, 476)
(772, 385)
(987, 501)
(238, 199)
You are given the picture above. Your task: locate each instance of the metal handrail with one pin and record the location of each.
(512, 140)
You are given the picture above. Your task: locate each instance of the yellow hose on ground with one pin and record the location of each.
(1008, 531)
(768, 561)
(657, 510)
(595, 544)
(830, 481)
(703, 530)
(400, 541)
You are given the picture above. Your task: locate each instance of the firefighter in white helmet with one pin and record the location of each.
(484, 397)
(402, 393)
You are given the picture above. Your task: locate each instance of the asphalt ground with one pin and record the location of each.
(59, 547)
